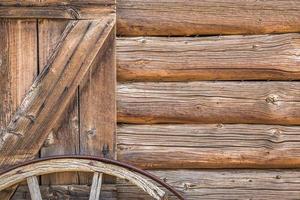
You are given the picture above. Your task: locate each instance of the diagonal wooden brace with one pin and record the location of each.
(52, 90)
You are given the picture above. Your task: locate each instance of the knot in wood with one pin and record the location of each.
(220, 125)
(278, 177)
(91, 131)
(143, 40)
(272, 99)
(275, 132)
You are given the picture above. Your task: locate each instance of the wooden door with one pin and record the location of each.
(57, 77)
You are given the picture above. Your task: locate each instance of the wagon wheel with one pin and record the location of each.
(99, 166)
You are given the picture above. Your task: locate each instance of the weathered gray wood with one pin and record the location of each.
(210, 102)
(207, 17)
(96, 186)
(209, 146)
(33, 185)
(70, 192)
(259, 57)
(224, 184)
(84, 165)
(52, 90)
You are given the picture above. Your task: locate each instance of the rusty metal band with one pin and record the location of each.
(104, 160)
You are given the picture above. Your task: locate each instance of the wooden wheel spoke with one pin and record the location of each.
(34, 188)
(96, 186)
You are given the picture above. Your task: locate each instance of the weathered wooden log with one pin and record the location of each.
(224, 184)
(209, 102)
(259, 57)
(179, 17)
(209, 146)
(56, 9)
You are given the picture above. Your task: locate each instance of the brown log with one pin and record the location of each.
(209, 146)
(53, 89)
(224, 184)
(259, 57)
(209, 102)
(194, 17)
(56, 9)
(55, 2)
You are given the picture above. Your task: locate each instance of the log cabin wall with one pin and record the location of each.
(208, 99)
(208, 96)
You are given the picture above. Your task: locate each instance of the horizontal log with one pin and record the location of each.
(72, 192)
(209, 146)
(169, 17)
(54, 2)
(209, 102)
(56, 9)
(224, 184)
(259, 57)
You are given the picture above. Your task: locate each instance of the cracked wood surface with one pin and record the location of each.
(18, 68)
(206, 17)
(54, 9)
(209, 102)
(209, 146)
(223, 184)
(64, 139)
(258, 57)
(97, 104)
(52, 90)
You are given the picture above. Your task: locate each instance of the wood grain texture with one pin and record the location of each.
(208, 17)
(52, 90)
(259, 57)
(70, 192)
(63, 139)
(209, 146)
(97, 103)
(56, 9)
(55, 2)
(96, 186)
(209, 102)
(33, 185)
(224, 184)
(18, 66)
(16, 175)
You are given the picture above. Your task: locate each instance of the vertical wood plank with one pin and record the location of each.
(34, 188)
(18, 67)
(64, 139)
(97, 106)
(96, 186)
